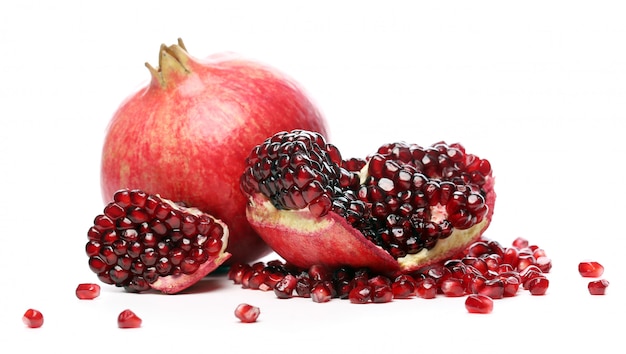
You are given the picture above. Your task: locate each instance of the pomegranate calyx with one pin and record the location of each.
(173, 60)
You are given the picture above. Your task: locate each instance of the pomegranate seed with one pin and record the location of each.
(598, 287)
(360, 294)
(128, 319)
(538, 285)
(382, 293)
(32, 318)
(494, 288)
(285, 287)
(452, 287)
(520, 243)
(590, 269)
(321, 292)
(247, 313)
(403, 287)
(427, 288)
(477, 303)
(87, 291)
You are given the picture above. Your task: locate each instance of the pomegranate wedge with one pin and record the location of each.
(401, 208)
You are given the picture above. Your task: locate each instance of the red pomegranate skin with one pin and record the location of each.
(186, 134)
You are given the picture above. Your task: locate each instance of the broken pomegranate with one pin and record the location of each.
(477, 303)
(598, 287)
(187, 132)
(590, 269)
(33, 318)
(247, 313)
(128, 319)
(143, 241)
(87, 291)
(402, 208)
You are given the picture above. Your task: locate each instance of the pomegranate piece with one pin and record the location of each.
(247, 313)
(143, 241)
(87, 291)
(128, 319)
(32, 318)
(400, 209)
(598, 287)
(590, 269)
(477, 303)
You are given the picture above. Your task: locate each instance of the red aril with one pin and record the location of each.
(477, 303)
(247, 313)
(128, 319)
(33, 318)
(590, 269)
(87, 291)
(598, 287)
(185, 135)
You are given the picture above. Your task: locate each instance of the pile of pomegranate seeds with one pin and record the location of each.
(32, 318)
(128, 319)
(484, 268)
(247, 313)
(87, 291)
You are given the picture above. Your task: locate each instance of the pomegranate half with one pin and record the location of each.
(187, 133)
(400, 209)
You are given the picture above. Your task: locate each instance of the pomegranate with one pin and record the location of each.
(128, 319)
(33, 318)
(186, 134)
(142, 241)
(401, 208)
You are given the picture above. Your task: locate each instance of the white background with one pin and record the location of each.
(537, 87)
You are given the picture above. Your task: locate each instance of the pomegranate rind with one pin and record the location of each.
(173, 284)
(303, 239)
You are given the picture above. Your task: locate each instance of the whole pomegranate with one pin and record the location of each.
(187, 133)
(403, 207)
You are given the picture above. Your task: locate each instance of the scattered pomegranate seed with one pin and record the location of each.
(598, 287)
(128, 319)
(32, 318)
(247, 313)
(87, 291)
(590, 269)
(477, 303)
(321, 292)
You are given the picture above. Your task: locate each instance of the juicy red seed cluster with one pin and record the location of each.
(140, 237)
(295, 170)
(411, 196)
(485, 268)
